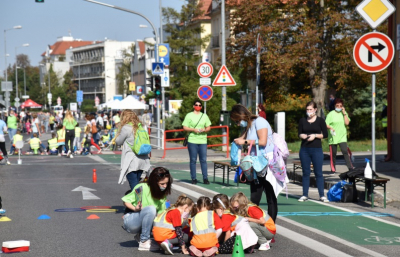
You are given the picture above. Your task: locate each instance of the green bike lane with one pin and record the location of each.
(350, 226)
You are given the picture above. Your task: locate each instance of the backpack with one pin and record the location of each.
(280, 142)
(254, 165)
(141, 146)
(335, 192)
(278, 167)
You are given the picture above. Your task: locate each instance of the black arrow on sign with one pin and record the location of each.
(379, 47)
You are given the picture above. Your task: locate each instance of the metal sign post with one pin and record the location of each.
(258, 70)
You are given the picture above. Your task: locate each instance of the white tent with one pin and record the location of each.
(115, 105)
(108, 104)
(132, 104)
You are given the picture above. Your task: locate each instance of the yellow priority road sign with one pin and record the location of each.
(375, 11)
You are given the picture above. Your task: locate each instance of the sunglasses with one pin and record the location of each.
(197, 105)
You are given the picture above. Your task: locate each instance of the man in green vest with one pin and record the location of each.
(12, 125)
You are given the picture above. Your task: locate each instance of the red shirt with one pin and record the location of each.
(174, 217)
(255, 212)
(227, 220)
(217, 222)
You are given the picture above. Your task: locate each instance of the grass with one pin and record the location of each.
(355, 146)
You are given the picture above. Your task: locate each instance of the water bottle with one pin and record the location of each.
(367, 170)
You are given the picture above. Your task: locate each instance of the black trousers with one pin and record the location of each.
(3, 149)
(69, 139)
(345, 152)
(256, 194)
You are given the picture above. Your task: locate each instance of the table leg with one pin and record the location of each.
(384, 195)
(366, 191)
(227, 181)
(294, 173)
(372, 195)
(223, 175)
(214, 174)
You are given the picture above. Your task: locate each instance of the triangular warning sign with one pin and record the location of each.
(157, 69)
(224, 78)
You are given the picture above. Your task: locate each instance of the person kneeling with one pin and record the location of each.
(35, 144)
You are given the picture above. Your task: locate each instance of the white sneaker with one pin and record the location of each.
(264, 247)
(145, 246)
(166, 246)
(303, 199)
(69, 153)
(324, 199)
(59, 154)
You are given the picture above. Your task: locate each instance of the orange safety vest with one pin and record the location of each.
(162, 229)
(269, 222)
(203, 228)
(235, 221)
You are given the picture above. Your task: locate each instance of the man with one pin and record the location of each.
(331, 105)
(22, 121)
(46, 121)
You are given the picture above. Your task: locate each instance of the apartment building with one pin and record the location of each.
(142, 63)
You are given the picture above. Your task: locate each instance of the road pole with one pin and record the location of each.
(223, 62)
(373, 121)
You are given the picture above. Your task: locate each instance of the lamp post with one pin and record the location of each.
(5, 58)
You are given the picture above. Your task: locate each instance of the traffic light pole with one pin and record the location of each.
(223, 62)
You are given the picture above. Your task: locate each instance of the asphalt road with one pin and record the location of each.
(43, 184)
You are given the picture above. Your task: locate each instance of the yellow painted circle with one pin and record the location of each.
(162, 51)
(101, 210)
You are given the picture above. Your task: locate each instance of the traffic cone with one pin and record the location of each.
(94, 176)
(238, 248)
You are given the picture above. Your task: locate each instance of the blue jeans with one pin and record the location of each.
(142, 221)
(46, 126)
(316, 156)
(133, 178)
(201, 150)
(11, 134)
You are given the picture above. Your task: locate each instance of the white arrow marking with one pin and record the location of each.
(368, 230)
(86, 195)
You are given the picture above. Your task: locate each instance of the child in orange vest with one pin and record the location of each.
(167, 228)
(206, 227)
(261, 223)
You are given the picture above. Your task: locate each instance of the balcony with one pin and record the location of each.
(215, 41)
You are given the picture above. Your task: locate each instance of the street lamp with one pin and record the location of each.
(5, 58)
(16, 74)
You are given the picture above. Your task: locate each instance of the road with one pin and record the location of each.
(43, 184)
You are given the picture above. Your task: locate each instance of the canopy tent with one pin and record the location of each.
(115, 104)
(132, 104)
(30, 104)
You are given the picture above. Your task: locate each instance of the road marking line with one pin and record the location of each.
(367, 230)
(184, 190)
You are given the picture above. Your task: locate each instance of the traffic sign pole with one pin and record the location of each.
(373, 121)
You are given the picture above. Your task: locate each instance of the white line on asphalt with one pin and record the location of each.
(309, 244)
(332, 237)
(306, 241)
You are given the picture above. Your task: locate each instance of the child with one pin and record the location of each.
(86, 142)
(28, 126)
(105, 139)
(261, 223)
(52, 144)
(60, 139)
(77, 138)
(35, 144)
(206, 227)
(167, 228)
(17, 137)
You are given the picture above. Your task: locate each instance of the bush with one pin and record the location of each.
(172, 123)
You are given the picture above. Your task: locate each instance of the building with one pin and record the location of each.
(96, 66)
(203, 21)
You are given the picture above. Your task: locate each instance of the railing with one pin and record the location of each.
(162, 137)
(180, 139)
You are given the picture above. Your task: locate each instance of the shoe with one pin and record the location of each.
(8, 163)
(69, 153)
(264, 247)
(206, 182)
(210, 252)
(2, 211)
(166, 246)
(194, 251)
(303, 199)
(273, 240)
(71, 156)
(59, 154)
(194, 181)
(99, 152)
(332, 171)
(137, 237)
(154, 246)
(144, 246)
(324, 199)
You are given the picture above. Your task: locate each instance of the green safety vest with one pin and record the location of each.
(35, 143)
(17, 138)
(106, 138)
(12, 122)
(53, 143)
(384, 122)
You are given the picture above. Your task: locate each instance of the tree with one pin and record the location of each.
(307, 42)
(124, 71)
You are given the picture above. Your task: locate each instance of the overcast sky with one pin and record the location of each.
(42, 23)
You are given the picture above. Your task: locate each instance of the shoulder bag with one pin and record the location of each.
(185, 141)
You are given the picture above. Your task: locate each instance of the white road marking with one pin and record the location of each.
(86, 194)
(367, 230)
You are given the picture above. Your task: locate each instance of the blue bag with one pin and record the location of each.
(234, 153)
(335, 192)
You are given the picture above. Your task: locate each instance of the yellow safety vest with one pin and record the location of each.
(106, 138)
(237, 219)
(53, 143)
(161, 222)
(203, 223)
(17, 138)
(384, 122)
(12, 122)
(61, 136)
(35, 143)
(78, 132)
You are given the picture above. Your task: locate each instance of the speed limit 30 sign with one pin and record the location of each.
(205, 69)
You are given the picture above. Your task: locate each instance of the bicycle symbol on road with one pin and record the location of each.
(383, 240)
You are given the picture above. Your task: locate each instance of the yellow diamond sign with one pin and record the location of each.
(375, 11)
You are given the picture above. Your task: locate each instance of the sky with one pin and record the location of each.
(43, 23)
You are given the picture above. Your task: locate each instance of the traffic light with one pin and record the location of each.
(157, 85)
(39, 1)
(150, 83)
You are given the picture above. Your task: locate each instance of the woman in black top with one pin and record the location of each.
(311, 130)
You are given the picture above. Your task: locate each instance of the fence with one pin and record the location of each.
(184, 147)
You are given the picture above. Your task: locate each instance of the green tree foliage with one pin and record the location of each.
(88, 106)
(124, 73)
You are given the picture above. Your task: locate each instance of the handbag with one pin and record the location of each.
(253, 166)
(185, 141)
(335, 192)
(94, 129)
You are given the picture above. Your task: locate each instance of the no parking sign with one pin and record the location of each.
(205, 93)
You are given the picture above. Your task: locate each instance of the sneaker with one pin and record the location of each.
(206, 182)
(324, 199)
(69, 153)
(144, 246)
(71, 156)
(264, 247)
(59, 154)
(167, 246)
(194, 181)
(303, 199)
(8, 162)
(154, 246)
(2, 211)
(99, 152)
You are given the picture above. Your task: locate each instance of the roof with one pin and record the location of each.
(59, 48)
(206, 9)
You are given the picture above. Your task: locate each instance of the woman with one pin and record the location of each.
(132, 165)
(197, 124)
(3, 128)
(12, 124)
(336, 122)
(51, 122)
(257, 128)
(90, 122)
(311, 130)
(35, 126)
(144, 203)
(69, 125)
(261, 111)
